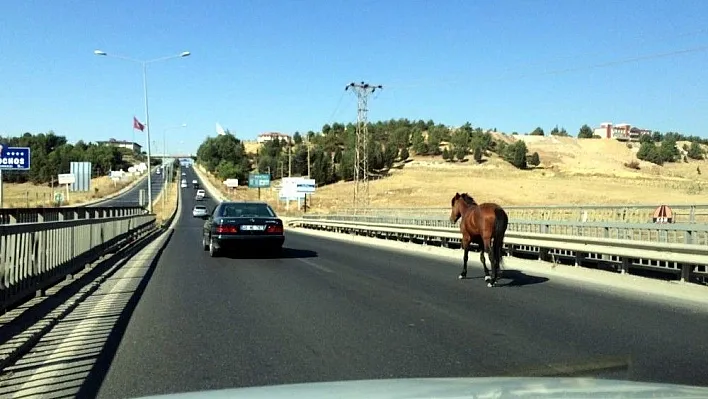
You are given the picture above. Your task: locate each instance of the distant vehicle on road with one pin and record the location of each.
(183, 185)
(238, 224)
(184, 174)
(159, 171)
(200, 195)
(200, 211)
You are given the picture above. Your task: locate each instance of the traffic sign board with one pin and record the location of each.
(258, 180)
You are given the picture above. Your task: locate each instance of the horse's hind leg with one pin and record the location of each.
(480, 242)
(488, 249)
(466, 248)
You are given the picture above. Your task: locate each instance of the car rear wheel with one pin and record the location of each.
(213, 252)
(205, 244)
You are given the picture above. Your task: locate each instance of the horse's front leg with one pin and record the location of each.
(478, 240)
(466, 248)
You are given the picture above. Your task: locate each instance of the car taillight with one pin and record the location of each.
(274, 229)
(226, 229)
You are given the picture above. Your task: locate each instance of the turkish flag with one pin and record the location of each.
(138, 125)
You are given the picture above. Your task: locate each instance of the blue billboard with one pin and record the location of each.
(14, 158)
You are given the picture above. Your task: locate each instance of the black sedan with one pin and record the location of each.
(242, 224)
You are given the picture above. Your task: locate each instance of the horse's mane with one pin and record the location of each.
(465, 197)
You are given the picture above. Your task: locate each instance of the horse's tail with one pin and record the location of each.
(501, 221)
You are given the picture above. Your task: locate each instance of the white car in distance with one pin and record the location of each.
(199, 211)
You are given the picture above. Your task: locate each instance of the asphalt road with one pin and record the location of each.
(328, 310)
(132, 196)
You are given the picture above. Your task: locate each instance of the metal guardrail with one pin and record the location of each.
(41, 215)
(684, 233)
(627, 213)
(689, 261)
(36, 255)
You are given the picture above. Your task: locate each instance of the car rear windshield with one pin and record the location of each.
(246, 210)
(201, 208)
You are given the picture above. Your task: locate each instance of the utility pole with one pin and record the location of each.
(361, 159)
(290, 159)
(308, 158)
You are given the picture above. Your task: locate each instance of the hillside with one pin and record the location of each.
(572, 171)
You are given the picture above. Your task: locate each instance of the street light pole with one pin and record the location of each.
(147, 129)
(147, 112)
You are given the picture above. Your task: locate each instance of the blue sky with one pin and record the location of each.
(282, 65)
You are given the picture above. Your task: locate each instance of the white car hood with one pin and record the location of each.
(450, 388)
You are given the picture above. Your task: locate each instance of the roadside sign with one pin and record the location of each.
(663, 214)
(67, 178)
(258, 180)
(14, 158)
(231, 183)
(298, 184)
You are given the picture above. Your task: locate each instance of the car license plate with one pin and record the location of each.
(253, 228)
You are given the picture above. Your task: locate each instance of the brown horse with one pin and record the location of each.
(484, 225)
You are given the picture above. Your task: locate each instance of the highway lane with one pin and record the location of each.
(328, 310)
(132, 196)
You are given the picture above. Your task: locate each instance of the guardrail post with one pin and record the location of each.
(689, 237)
(692, 214)
(624, 265)
(686, 273)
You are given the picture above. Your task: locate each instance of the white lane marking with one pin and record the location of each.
(315, 265)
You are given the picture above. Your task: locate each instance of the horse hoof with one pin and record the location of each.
(487, 278)
(490, 285)
(460, 276)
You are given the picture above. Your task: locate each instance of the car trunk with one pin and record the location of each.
(248, 226)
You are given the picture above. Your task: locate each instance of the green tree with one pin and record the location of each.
(478, 155)
(460, 143)
(534, 159)
(404, 154)
(695, 151)
(537, 132)
(419, 144)
(297, 138)
(515, 154)
(585, 132)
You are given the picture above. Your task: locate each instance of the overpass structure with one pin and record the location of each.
(173, 155)
(374, 311)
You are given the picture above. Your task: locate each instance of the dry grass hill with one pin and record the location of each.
(572, 171)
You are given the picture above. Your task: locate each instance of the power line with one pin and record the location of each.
(361, 153)
(599, 65)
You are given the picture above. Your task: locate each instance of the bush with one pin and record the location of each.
(515, 154)
(404, 154)
(478, 155)
(633, 164)
(534, 159)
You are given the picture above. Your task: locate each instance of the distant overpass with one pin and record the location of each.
(173, 155)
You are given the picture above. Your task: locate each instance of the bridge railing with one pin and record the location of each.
(675, 233)
(36, 255)
(680, 249)
(624, 213)
(41, 215)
